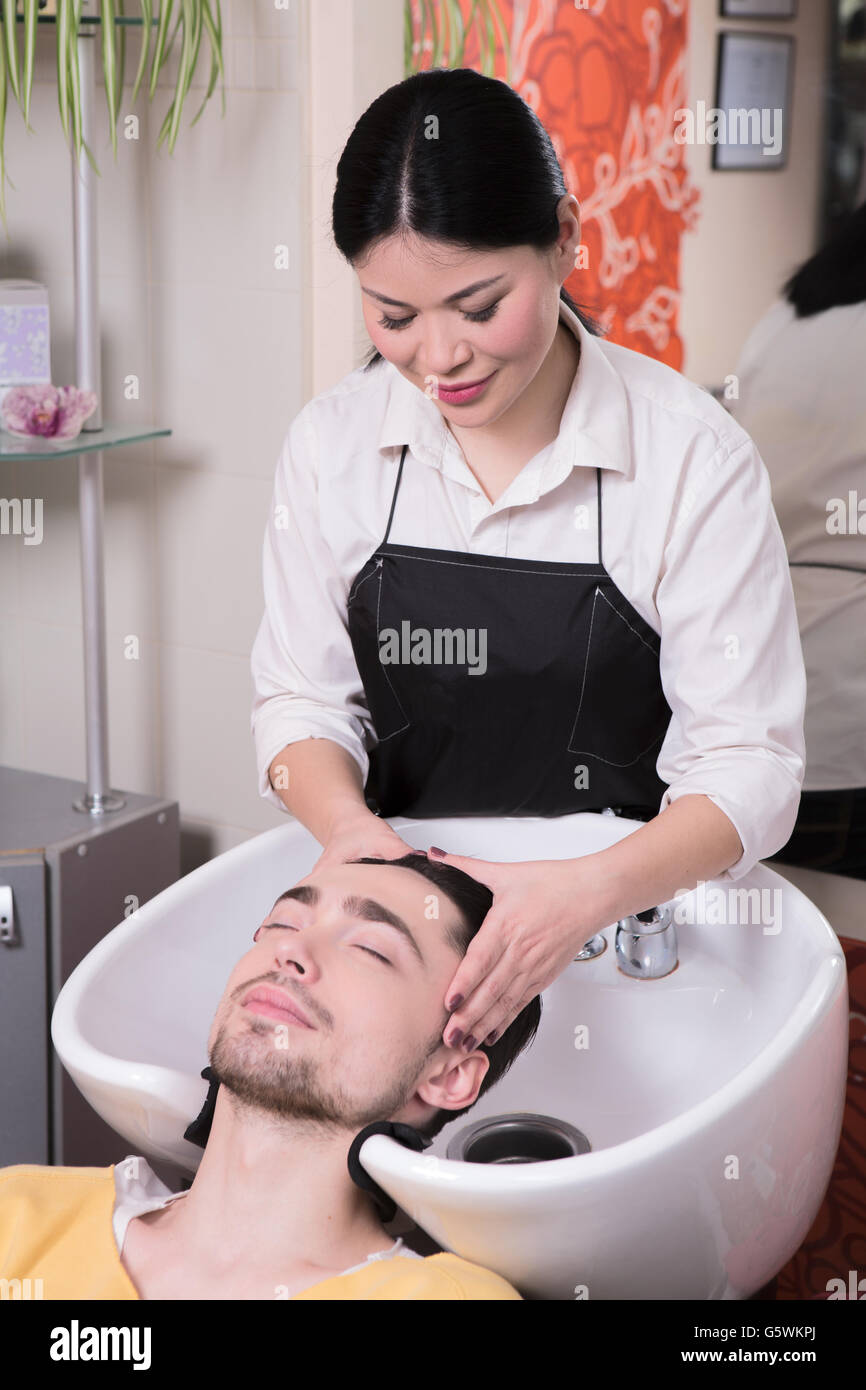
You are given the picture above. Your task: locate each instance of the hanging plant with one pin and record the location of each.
(192, 18)
(449, 30)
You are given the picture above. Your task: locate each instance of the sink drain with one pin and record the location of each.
(520, 1137)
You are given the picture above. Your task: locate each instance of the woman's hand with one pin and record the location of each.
(543, 912)
(360, 835)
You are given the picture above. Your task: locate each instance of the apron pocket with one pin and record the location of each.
(622, 712)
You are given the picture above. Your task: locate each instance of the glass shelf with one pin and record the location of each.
(15, 446)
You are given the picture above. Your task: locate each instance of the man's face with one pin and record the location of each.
(340, 950)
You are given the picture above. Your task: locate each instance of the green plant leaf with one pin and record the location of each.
(460, 29)
(436, 51)
(408, 36)
(193, 18)
(506, 43)
(445, 7)
(216, 65)
(109, 66)
(10, 40)
(184, 71)
(89, 152)
(74, 72)
(2, 129)
(195, 10)
(159, 53)
(3, 175)
(62, 25)
(471, 20)
(147, 23)
(31, 14)
(121, 52)
(489, 60)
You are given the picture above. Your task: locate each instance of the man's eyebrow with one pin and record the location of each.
(355, 906)
(451, 299)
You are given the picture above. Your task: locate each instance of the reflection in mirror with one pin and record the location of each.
(802, 400)
(799, 394)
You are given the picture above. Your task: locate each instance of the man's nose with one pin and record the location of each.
(298, 949)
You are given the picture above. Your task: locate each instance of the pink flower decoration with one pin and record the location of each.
(57, 412)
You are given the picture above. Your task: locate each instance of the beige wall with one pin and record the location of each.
(356, 52)
(754, 228)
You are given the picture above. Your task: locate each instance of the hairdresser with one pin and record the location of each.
(512, 569)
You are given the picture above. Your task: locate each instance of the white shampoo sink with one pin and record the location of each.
(712, 1099)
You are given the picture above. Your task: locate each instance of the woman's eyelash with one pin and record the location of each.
(290, 926)
(482, 316)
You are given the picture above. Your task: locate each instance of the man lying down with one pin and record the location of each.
(362, 954)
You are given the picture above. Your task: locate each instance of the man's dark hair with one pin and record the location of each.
(473, 901)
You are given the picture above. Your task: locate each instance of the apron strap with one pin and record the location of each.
(394, 497)
(598, 509)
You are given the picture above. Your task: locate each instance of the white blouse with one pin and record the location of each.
(801, 384)
(689, 535)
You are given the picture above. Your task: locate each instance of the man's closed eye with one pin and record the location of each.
(289, 926)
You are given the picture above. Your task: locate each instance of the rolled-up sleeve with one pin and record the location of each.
(305, 679)
(731, 660)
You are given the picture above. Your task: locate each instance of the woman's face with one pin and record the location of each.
(501, 330)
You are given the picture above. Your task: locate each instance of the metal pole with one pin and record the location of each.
(98, 798)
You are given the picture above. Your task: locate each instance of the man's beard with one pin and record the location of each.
(286, 1086)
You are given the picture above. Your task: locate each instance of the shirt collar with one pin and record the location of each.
(593, 431)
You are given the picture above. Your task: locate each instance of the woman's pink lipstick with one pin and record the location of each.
(467, 394)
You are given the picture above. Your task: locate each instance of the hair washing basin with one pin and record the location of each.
(712, 1098)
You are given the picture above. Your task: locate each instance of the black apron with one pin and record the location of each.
(558, 708)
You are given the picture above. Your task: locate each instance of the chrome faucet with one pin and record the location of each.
(646, 944)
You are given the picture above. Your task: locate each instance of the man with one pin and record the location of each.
(331, 1021)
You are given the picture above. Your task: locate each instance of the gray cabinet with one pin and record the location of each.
(67, 878)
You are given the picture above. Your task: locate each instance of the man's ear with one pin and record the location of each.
(455, 1080)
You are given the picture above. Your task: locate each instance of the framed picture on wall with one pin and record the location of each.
(758, 9)
(749, 126)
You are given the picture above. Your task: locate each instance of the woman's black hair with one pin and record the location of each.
(455, 156)
(836, 274)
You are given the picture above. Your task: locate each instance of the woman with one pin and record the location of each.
(463, 616)
(801, 397)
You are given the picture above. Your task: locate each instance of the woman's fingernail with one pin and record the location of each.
(491, 1038)
(470, 1044)
(455, 1003)
(456, 1037)
(434, 849)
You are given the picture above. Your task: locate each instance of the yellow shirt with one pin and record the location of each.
(56, 1228)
